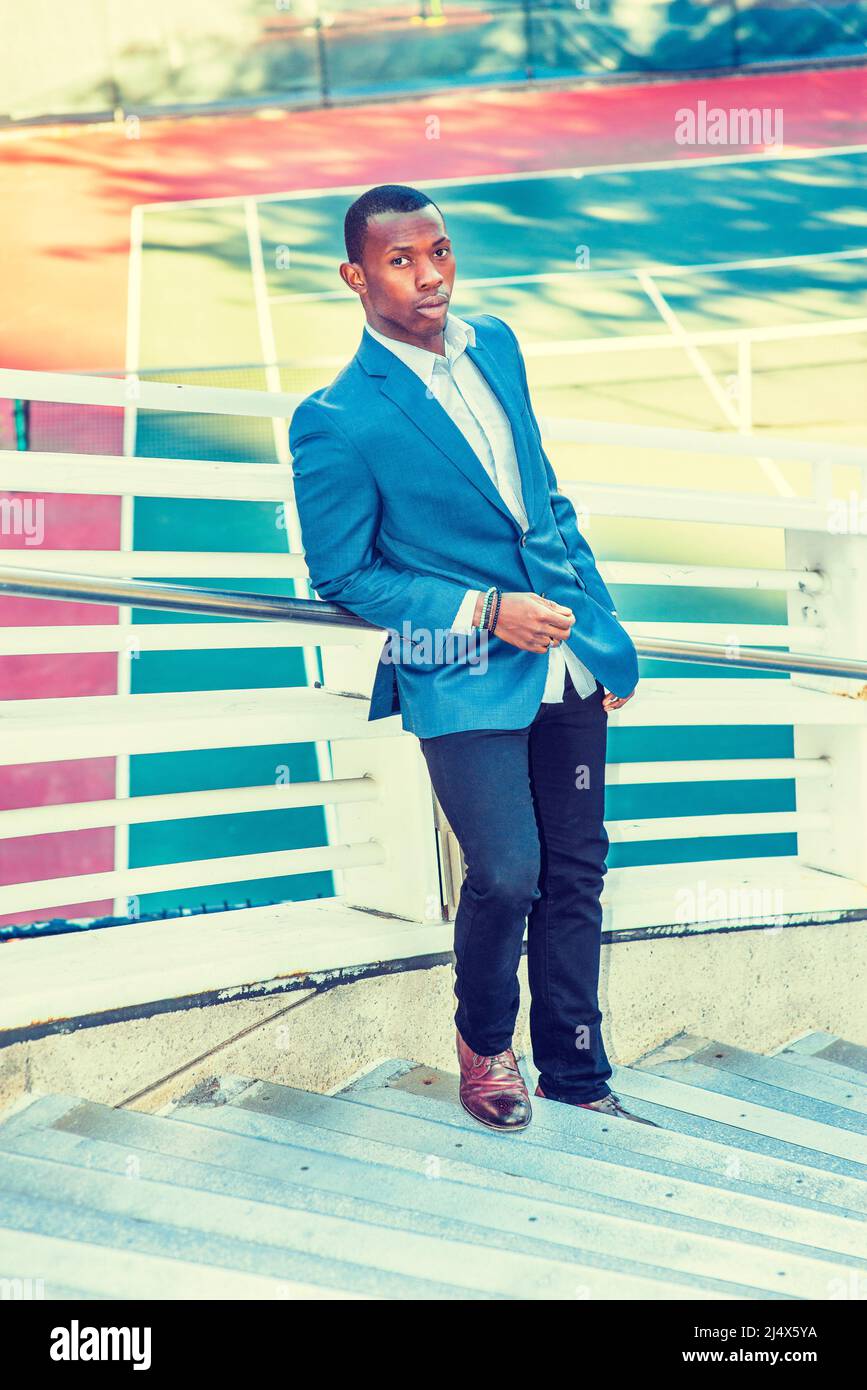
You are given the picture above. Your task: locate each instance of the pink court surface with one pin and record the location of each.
(70, 191)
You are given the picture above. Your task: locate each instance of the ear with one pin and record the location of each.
(352, 275)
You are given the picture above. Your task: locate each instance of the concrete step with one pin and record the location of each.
(824, 1082)
(93, 1231)
(88, 1179)
(573, 1150)
(820, 1066)
(740, 1134)
(707, 1250)
(744, 1124)
(827, 1047)
(95, 1270)
(754, 1187)
(767, 1082)
(594, 1177)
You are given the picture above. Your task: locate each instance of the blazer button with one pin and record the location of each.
(524, 538)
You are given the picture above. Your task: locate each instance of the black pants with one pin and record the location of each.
(527, 807)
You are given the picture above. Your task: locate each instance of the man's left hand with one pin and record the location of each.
(611, 702)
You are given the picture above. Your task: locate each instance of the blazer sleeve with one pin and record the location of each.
(339, 509)
(565, 516)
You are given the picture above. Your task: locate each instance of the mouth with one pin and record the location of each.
(432, 306)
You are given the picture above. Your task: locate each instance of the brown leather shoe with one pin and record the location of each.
(492, 1089)
(608, 1105)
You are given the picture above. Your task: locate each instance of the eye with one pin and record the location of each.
(445, 250)
(394, 260)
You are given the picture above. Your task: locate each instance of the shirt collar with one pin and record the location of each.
(456, 335)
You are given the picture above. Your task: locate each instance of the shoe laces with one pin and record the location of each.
(505, 1058)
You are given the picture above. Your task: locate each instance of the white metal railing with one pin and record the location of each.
(385, 847)
(312, 613)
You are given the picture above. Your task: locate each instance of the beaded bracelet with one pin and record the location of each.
(486, 607)
(496, 613)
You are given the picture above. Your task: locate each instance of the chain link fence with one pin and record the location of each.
(112, 58)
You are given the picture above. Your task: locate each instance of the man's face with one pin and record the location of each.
(406, 275)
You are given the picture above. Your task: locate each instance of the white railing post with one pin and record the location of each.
(840, 609)
(402, 816)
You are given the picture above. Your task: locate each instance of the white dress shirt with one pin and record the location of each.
(462, 391)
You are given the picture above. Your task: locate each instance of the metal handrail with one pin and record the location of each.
(228, 603)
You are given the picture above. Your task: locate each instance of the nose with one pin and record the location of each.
(429, 277)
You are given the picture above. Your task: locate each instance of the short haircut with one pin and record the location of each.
(386, 197)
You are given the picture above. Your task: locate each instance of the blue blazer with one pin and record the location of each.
(399, 518)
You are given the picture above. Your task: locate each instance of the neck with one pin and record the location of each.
(431, 343)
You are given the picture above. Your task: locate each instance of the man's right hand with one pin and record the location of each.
(528, 621)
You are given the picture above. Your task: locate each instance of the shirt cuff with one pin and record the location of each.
(463, 621)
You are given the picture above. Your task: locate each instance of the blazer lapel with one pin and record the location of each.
(509, 399)
(402, 386)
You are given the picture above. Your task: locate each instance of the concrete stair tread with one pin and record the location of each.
(803, 1076)
(563, 1234)
(368, 1258)
(767, 1083)
(821, 1066)
(179, 1211)
(231, 1162)
(754, 1187)
(592, 1176)
(123, 1273)
(776, 1268)
(827, 1047)
(685, 1110)
(560, 1130)
(88, 1226)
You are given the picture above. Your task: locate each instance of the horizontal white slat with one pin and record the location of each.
(90, 475)
(726, 892)
(727, 443)
(164, 637)
(94, 726)
(678, 828)
(64, 976)
(61, 976)
(107, 475)
(205, 564)
(222, 400)
(172, 637)
(671, 702)
(680, 504)
(714, 770)
(163, 564)
(216, 801)
(712, 577)
(654, 342)
(104, 725)
(72, 389)
(94, 475)
(140, 810)
(157, 878)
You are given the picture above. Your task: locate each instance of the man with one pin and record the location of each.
(428, 506)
